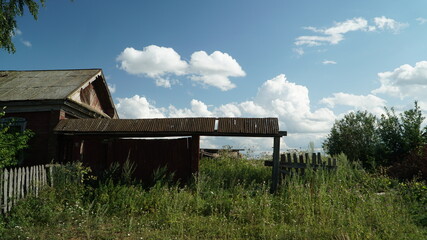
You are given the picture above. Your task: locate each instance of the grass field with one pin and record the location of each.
(229, 199)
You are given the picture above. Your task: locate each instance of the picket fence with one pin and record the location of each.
(17, 183)
(293, 162)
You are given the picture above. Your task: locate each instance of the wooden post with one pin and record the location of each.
(276, 165)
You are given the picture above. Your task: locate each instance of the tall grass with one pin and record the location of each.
(228, 199)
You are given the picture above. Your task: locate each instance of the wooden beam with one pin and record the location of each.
(276, 168)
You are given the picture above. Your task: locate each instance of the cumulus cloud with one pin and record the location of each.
(159, 62)
(276, 97)
(370, 103)
(335, 34)
(215, 69)
(405, 81)
(327, 62)
(138, 107)
(153, 61)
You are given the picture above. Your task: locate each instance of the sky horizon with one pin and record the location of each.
(306, 62)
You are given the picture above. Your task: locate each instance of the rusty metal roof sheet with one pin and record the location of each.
(42, 84)
(172, 126)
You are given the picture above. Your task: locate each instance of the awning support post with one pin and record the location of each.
(276, 167)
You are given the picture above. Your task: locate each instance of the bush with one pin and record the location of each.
(11, 143)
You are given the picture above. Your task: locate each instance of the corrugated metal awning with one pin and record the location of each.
(255, 127)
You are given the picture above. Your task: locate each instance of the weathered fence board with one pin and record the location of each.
(17, 183)
(300, 162)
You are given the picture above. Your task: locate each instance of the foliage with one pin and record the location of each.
(229, 199)
(355, 136)
(11, 143)
(385, 141)
(9, 10)
(415, 195)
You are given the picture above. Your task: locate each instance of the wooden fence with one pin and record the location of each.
(299, 162)
(17, 183)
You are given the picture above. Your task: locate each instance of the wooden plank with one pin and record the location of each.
(5, 189)
(36, 180)
(10, 194)
(51, 175)
(18, 186)
(15, 183)
(27, 181)
(276, 168)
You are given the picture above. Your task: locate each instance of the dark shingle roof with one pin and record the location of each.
(262, 127)
(42, 85)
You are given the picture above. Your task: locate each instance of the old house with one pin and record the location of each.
(74, 118)
(38, 100)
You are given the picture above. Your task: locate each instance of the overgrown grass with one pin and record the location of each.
(229, 199)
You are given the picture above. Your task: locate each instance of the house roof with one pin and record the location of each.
(253, 127)
(42, 84)
(37, 85)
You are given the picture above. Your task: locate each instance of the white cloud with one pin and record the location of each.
(159, 62)
(153, 61)
(327, 62)
(26, 43)
(332, 35)
(405, 81)
(111, 87)
(161, 82)
(421, 20)
(384, 23)
(215, 69)
(299, 51)
(335, 34)
(17, 32)
(276, 97)
(369, 102)
(228, 110)
(138, 107)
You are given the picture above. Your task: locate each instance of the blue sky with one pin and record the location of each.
(305, 62)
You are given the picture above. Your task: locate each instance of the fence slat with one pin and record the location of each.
(17, 183)
(10, 194)
(5, 189)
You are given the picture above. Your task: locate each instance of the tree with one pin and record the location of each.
(412, 134)
(355, 136)
(9, 9)
(400, 135)
(385, 141)
(390, 131)
(11, 143)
